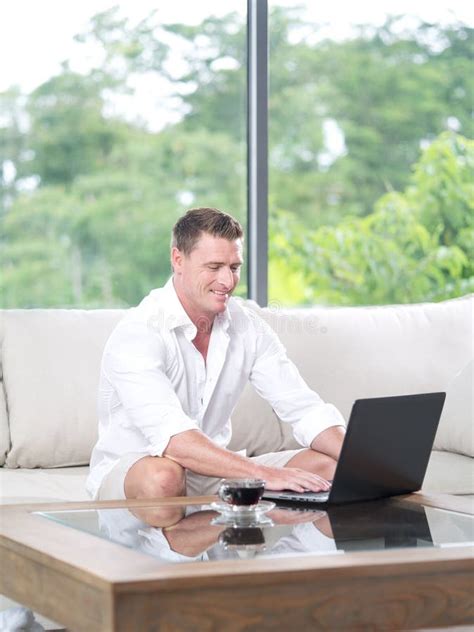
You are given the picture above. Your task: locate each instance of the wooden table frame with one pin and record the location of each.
(93, 585)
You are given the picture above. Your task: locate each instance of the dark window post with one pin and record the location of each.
(257, 150)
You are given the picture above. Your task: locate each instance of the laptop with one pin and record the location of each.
(385, 452)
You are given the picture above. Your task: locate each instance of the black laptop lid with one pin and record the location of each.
(387, 447)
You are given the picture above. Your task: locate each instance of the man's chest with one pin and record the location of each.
(201, 344)
(210, 368)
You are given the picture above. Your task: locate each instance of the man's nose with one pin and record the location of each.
(226, 277)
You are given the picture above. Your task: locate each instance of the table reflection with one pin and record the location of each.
(183, 534)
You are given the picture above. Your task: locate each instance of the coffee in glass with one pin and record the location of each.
(244, 492)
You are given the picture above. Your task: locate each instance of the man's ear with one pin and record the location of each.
(176, 259)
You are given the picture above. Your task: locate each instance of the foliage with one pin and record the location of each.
(415, 246)
(387, 90)
(88, 195)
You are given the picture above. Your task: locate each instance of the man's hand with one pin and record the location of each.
(293, 479)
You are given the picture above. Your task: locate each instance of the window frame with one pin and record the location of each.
(257, 151)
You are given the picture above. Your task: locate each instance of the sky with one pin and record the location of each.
(35, 36)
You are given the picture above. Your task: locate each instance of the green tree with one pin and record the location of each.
(13, 146)
(69, 135)
(88, 198)
(415, 246)
(96, 229)
(387, 89)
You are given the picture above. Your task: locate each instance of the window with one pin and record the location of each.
(144, 118)
(370, 148)
(370, 166)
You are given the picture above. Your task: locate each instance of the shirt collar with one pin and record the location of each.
(176, 315)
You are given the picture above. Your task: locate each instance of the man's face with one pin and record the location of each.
(206, 278)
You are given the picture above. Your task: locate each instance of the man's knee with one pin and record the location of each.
(327, 466)
(321, 464)
(155, 477)
(157, 516)
(315, 462)
(165, 481)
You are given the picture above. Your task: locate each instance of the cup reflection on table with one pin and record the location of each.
(238, 537)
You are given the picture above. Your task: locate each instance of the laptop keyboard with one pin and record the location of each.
(319, 497)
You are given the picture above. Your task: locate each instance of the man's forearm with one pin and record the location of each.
(194, 451)
(330, 441)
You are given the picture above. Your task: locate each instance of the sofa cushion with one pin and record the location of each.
(255, 427)
(449, 473)
(66, 484)
(51, 361)
(4, 429)
(455, 432)
(354, 352)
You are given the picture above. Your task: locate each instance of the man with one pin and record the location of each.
(172, 373)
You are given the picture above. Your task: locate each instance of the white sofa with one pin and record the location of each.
(50, 365)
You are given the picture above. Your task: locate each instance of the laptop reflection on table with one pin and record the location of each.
(382, 524)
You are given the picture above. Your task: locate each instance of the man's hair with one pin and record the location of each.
(189, 228)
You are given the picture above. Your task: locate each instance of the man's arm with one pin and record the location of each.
(330, 441)
(194, 451)
(277, 379)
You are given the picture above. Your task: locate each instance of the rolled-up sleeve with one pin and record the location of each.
(134, 362)
(277, 380)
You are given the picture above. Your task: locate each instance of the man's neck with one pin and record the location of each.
(202, 320)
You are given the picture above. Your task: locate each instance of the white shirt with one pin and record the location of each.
(155, 384)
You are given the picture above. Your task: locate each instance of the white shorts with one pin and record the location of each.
(112, 487)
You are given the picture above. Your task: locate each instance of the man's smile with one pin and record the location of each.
(219, 293)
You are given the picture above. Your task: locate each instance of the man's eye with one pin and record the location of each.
(235, 268)
(213, 267)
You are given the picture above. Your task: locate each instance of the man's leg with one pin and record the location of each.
(314, 462)
(136, 476)
(154, 477)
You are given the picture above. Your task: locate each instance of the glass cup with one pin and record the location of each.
(240, 493)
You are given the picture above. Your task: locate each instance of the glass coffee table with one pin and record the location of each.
(190, 564)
